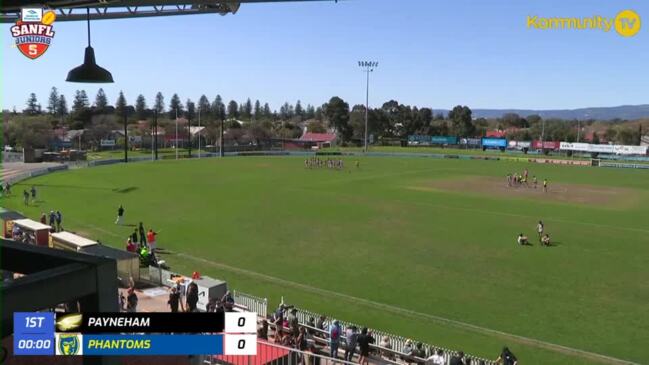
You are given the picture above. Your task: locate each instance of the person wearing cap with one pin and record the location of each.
(334, 338)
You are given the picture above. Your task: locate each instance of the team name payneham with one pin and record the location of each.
(118, 322)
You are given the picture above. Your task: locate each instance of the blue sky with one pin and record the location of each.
(435, 53)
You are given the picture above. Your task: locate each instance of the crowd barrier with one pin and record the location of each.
(624, 165)
(397, 343)
(252, 303)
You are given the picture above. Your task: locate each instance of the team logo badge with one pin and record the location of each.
(68, 322)
(69, 344)
(34, 31)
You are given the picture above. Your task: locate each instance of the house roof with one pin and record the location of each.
(318, 137)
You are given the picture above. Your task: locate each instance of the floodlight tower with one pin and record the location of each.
(367, 66)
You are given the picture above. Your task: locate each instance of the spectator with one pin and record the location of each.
(419, 353)
(192, 297)
(211, 306)
(134, 237)
(59, 221)
(174, 300)
(364, 342)
(151, 238)
(351, 338)
(301, 342)
(314, 360)
(122, 302)
(26, 197)
(457, 359)
(311, 329)
(507, 357)
(228, 301)
(278, 317)
(407, 351)
(436, 359)
(141, 232)
(262, 331)
(334, 339)
(385, 343)
(320, 325)
(293, 323)
(131, 301)
(279, 335)
(52, 219)
(130, 246)
(120, 216)
(43, 218)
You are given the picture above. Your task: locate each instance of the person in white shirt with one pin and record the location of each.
(539, 229)
(436, 359)
(522, 240)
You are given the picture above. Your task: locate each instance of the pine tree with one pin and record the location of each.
(191, 110)
(247, 109)
(258, 110)
(80, 103)
(32, 105)
(159, 103)
(101, 101)
(310, 112)
(53, 101)
(175, 106)
(218, 108)
(299, 111)
(203, 105)
(233, 109)
(62, 106)
(120, 104)
(140, 107)
(268, 114)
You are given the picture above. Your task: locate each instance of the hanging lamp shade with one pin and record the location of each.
(89, 71)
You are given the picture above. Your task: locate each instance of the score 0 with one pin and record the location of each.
(240, 333)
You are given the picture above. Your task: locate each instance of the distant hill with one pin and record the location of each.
(628, 112)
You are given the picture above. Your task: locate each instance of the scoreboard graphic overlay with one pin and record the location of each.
(117, 334)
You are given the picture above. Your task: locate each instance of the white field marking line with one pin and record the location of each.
(486, 211)
(412, 313)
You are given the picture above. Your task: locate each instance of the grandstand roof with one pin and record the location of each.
(318, 137)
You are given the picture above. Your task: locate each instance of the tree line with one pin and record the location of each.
(391, 121)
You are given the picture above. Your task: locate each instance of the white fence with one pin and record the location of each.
(398, 343)
(251, 303)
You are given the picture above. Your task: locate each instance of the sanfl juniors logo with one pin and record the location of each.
(34, 32)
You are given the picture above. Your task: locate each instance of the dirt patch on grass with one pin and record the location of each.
(559, 192)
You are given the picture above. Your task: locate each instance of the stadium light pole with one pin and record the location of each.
(367, 66)
(199, 131)
(125, 136)
(176, 139)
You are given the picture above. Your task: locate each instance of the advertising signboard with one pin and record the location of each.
(494, 142)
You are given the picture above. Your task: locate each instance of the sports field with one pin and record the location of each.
(416, 246)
